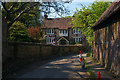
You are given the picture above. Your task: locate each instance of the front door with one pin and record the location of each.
(63, 42)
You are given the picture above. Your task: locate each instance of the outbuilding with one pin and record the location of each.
(106, 43)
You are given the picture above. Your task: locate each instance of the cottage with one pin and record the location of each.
(106, 43)
(60, 31)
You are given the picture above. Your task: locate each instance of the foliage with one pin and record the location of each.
(67, 17)
(34, 32)
(42, 40)
(77, 43)
(89, 53)
(30, 12)
(92, 75)
(31, 19)
(89, 71)
(18, 32)
(25, 12)
(87, 16)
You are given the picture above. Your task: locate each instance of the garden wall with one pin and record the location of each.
(36, 50)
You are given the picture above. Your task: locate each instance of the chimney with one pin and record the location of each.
(45, 16)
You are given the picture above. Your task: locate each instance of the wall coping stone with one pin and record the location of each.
(33, 43)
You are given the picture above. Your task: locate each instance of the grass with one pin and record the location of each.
(89, 53)
(89, 71)
(92, 75)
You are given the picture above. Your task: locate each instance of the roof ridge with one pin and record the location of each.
(114, 6)
(61, 23)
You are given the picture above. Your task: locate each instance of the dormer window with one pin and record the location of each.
(76, 31)
(63, 32)
(50, 31)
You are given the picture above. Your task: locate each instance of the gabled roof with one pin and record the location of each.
(111, 10)
(62, 38)
(61, 23)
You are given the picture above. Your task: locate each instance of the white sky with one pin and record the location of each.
(92, 0)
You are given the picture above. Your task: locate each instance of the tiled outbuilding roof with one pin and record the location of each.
(61, 23)
(111, 10)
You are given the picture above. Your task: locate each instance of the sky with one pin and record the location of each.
(75, 4)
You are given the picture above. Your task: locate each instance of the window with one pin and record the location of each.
(77, 39)
(60, 31)
(50, 40)
(63, 31)
(50, 31)
(76, 31)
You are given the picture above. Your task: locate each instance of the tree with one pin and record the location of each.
(34, 32)
(18, 32)
(87, 16)
(31, 19)
(16, 11)
(13, 11)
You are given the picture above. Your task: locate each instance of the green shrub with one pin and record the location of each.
(89, 53)
(18, 32)
(42, 40)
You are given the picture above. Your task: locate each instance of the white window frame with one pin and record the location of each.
(63, 32)
(76, 31)
(77, 39)
(50, 40)
(50, 31)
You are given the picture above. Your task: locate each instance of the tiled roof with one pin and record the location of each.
(61, 23)
(113, 8)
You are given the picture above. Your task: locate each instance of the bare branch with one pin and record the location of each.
(3, 4)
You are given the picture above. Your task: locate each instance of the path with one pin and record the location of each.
(95, 67)
(68, 67)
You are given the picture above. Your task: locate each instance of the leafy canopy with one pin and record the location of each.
(29, 12)
(87, 16)
(18, 32)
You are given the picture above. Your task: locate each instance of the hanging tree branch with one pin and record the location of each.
(20, 14)
(22, 5)
(19, 8)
